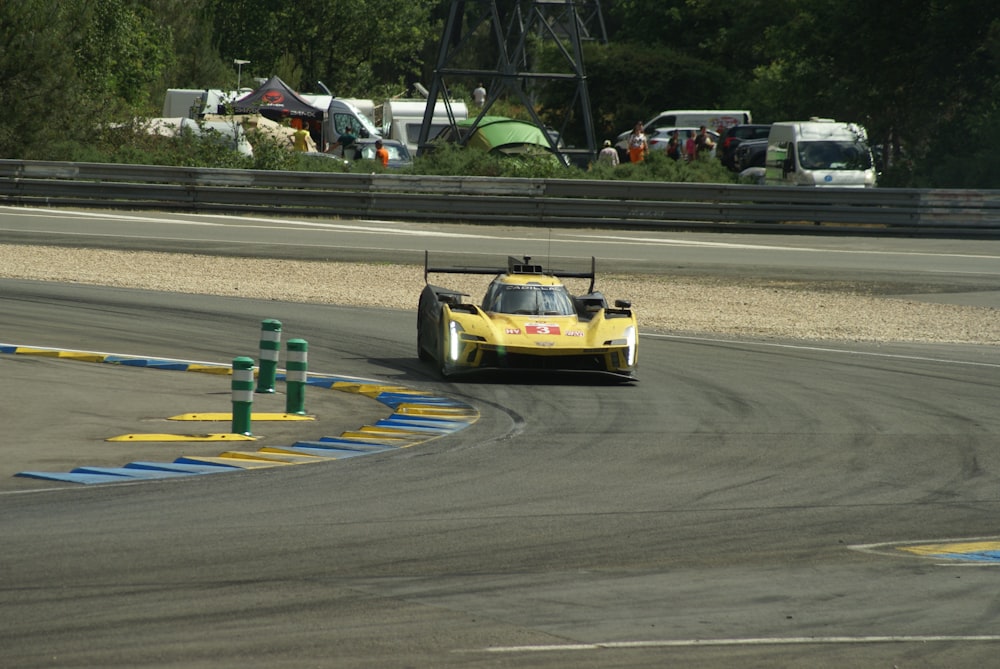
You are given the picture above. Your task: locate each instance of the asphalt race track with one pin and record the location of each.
(746, 504)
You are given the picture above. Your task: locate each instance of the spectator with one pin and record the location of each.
(608, 155)
(381, 153)
(674, 146)
(479, 95)
(345, 142)
(300, 139)
(703, 143)
(637, 144)
(690, 147)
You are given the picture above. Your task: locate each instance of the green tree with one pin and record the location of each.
(352, 46)
(195, 61)
(119, 49)
(39, 79)
(912, 71)
(71, 67)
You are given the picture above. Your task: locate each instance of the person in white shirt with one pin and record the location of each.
(608, 154)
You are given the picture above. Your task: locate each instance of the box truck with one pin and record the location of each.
(818, 152)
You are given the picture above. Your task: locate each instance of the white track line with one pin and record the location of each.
(752, 641)
(819, 349)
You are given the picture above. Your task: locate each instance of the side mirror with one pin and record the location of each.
(623, 304)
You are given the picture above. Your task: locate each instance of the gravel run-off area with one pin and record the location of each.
(664, 304)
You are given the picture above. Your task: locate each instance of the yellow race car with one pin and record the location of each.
(528, 320)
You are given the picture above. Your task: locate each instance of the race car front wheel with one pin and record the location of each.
(444, 346)
(421, 351)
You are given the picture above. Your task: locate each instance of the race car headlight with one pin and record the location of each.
(630, 343)
(454, 340)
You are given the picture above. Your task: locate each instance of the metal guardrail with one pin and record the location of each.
(550, 202)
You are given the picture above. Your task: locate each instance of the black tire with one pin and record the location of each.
(421, 351)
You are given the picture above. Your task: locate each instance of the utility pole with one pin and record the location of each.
(239, 70)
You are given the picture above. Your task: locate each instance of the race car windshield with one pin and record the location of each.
(534, 299)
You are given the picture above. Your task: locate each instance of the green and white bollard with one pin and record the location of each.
(296, 365)
(242, 394)
(270, 346)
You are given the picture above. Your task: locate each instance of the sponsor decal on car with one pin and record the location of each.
(542, 329)
(512, 331)
(575, 333)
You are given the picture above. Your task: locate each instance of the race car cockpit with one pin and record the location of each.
(530, 299)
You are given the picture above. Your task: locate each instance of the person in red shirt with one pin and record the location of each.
(381, 154)
(690, 147)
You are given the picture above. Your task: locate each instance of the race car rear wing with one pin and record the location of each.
(514, 266)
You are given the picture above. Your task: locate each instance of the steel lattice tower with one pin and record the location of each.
(512, 26)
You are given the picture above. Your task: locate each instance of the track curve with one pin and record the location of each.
(721, 512)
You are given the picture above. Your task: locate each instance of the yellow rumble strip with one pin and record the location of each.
(253, 417)
(284, 458)
(182, 437)
(283, 453)
(433, 410)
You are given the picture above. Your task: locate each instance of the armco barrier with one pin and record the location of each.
(550, 202)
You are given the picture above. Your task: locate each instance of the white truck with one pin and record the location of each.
(818, 152)
(402, 118)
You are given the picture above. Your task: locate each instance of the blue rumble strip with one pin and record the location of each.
(172, 365)
(962, 551)
(417, 417)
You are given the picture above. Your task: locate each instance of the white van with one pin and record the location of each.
(402, 118)
(818, 152)
(716, 120)
(342, 113)
(322, 102)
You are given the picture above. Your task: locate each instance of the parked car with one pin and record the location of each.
(749, 153)
(364, 148)
(399, 155)
(732, 138)
(658, 139)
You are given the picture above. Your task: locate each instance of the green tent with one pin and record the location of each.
(500, 134)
